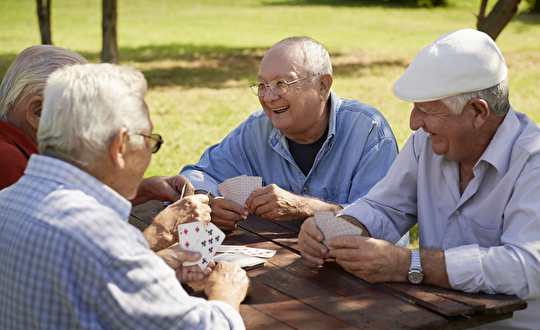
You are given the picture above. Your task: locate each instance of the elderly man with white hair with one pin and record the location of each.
(70, 260)
(469, 176)
(21, 100)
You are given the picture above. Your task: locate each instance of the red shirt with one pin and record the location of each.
(15, 150)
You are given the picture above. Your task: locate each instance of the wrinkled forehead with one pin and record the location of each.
(282, 61)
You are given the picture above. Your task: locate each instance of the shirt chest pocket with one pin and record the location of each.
(482, 234)
(337, 194)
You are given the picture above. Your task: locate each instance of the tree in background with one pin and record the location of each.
(498, 18)
(109, 50)
(44, 18)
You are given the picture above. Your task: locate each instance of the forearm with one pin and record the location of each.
(157, 237)
(308, 204)
(434, 267)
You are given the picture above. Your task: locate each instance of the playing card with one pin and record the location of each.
(189, 234)
(239, 188)
(332, 226)
(244, 261)
(209, 244)
(262, 253)
(231, 248)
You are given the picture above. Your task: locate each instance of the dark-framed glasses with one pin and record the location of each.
(278, 87)
(155, 141)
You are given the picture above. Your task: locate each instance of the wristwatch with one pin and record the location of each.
(415, 274)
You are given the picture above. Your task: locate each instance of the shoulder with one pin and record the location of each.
(256, 124)
(362, 117)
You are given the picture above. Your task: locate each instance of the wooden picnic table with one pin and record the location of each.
(291, 293)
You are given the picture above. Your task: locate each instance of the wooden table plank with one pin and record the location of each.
(450, 302)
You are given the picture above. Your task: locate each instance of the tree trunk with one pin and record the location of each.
(498, 18)
(44, 18)
(109, 52)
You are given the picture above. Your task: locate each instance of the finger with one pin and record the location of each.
(310, 226)
(348, 241)
(224, 224)
(256, 193)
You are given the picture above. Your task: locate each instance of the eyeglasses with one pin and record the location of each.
(155, 141)
(279, 87)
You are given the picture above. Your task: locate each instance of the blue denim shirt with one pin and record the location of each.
(357, 153)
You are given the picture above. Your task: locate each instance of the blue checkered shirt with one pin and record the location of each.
(70, 260)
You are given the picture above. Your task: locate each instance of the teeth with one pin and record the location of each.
(278, 109)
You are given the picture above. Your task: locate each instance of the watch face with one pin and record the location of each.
(415, 277)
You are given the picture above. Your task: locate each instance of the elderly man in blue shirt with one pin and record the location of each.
(70, 259)
(313, 150)
(469, 176)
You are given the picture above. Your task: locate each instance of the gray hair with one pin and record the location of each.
(84, 108)
(495, 96)
(28, 73)
(316, 57)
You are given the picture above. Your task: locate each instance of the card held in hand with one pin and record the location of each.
(332, 226)
(195, 237)
(239, 188)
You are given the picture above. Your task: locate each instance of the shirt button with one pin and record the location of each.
(304, 189)
(456, 213)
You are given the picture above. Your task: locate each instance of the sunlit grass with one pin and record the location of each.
(199, 56)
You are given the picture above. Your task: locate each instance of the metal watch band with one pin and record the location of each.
(415, 259)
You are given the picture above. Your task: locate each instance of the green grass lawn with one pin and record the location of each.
(200, 56)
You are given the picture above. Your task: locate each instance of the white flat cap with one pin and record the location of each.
(458, 62)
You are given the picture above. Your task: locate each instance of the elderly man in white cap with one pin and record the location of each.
(469, 176)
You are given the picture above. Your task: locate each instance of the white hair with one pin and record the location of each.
(28, 73)
(496, 97)
(316, 57)
(85, 106)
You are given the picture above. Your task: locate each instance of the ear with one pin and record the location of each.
(33, 111)
(118, 147)
(325, 83)
(481, 111)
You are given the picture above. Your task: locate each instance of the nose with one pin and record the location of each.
(269, 95)
(416, 120)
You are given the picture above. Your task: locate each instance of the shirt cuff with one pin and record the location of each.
(464, 269)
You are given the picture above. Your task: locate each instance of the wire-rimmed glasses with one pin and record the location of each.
(278, 87)
(155, 141)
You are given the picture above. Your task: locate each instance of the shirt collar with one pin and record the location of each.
(500, 148)
(57, 170)
(335, 103)
(18, 137)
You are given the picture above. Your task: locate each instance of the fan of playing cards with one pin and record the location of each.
(332, 226)
(195, 237)
(239, 188)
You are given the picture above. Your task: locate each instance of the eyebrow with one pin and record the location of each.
(281, 76)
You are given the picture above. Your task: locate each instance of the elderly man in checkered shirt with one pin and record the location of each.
(70, 259)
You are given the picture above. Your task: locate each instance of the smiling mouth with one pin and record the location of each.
(280, 110)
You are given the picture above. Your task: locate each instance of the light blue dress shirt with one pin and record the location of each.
(70, 260)
(491, 234)
(359, 150)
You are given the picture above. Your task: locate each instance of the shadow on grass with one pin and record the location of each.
(340, 3)
(217, 67)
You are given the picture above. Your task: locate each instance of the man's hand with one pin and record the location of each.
(226, 213)
(273, 203)
(228, 282)
(310, 243)
(163, 188)
(163, 231)
(372, 260)
(174, 256)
